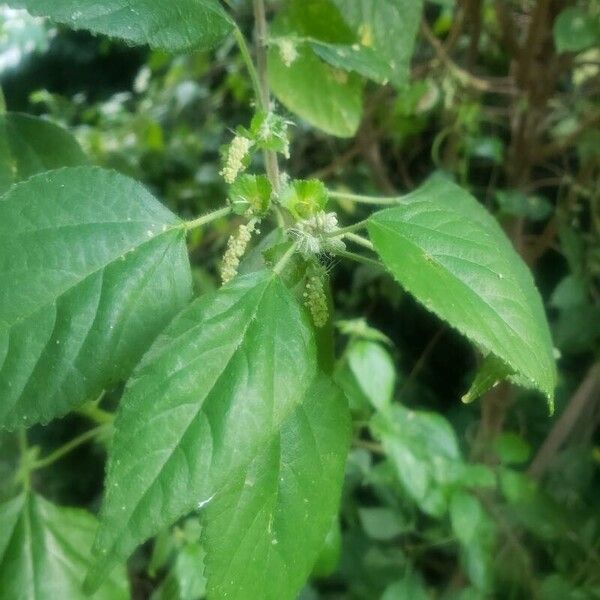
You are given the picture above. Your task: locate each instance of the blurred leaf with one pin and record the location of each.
(361, 59)
(389, 27)
(30, 145)
(382, 523)
(512, 449)
(327, 98)
(576, 29)
(360, 328)
(373, 370)
(424, 450)
(410, 587)
(517, 204)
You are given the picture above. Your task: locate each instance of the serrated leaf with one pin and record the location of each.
(211, 392)
(389, 27)
(92, 268)
(162, 24)
(30, 145)
(326, 97)
(450, 253)
(491, 372)
(265, 531)
(45, 551)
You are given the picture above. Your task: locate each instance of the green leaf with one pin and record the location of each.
(410, 587)
(30, 145)
(491, 372)
(389, 27)
(162, 24)
(475, 532)
(209, 396)
(424, 451)
(382, 524)
(576, 29)
(512, 449)
(450, 253)
(250, 192)
(92, 269)
(45, 552)
(518, 204)
(360, 59)
(265, 531)
(304, 197)
(373, 370)
(326, 97)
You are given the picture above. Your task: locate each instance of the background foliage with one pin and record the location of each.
(441, 499)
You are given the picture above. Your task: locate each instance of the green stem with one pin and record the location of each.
(245, 52)
(96, 414)
(283, 261)
(2, 103)
(208, 218)
(377, 200)
(359, 258)
(25, 466)
(361, 241)
(68, 447)
(262, 33)
(351, 228)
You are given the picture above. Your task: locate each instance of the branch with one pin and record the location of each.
(496, 86)
(587, 393)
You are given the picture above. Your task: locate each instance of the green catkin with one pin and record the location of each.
(315, 300)
(236, 248)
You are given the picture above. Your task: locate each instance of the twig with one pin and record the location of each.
(587, 393)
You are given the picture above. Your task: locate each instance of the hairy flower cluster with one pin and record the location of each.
(288, 52)
(236, 248)
(316, 300)
(313, 235)
(236, 154)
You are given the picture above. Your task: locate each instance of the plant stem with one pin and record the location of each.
(25, 466)
(93, 412)
(283, 261)
(245, 52)
(343, 230)
(68, 447)
(359, 258)
(377, 200)
(361, 241)
(260, 19)
(208, 218)
(2, 102)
